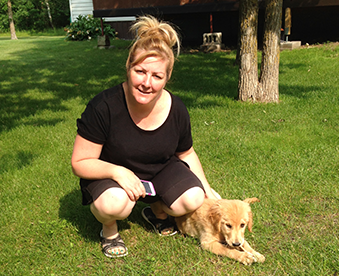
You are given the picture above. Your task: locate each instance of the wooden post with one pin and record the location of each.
(102, 27)
(288, 22)
(103, 40)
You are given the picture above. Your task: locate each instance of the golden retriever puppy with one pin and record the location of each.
(220, 225)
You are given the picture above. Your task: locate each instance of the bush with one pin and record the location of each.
(86, 28)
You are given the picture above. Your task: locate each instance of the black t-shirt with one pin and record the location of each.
(106, 121)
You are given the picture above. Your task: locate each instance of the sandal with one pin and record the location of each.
(163, 227)
(108, 246)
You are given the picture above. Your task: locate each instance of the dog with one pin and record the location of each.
(220, 225)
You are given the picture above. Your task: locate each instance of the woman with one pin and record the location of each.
(138, 130)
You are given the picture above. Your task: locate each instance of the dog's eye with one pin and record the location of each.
(242, 225)
(228, 225)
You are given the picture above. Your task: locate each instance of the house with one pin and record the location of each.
(312, 20)
(193, 17)
(85, 7)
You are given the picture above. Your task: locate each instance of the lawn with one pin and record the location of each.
(285, 154)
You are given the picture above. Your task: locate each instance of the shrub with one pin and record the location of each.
(86, 28)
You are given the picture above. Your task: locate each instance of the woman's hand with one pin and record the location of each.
(213, 195)
(129, 182)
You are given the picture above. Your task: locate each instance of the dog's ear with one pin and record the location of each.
(251, 200)
(250, 220)
(215, 216)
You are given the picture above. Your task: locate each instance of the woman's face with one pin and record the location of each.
(147, 79)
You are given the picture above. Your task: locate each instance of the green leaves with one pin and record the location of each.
(87, 28)
(32, 15)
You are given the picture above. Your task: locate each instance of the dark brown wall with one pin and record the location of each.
(315, 24)
(128, 4)
(313, 21)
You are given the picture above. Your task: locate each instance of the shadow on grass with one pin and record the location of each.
(211, 76)
(82, 219)
(199, 75)
(44, 73)
(15, 161)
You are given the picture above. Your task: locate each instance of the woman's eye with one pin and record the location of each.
(158, 77)
(138, 70)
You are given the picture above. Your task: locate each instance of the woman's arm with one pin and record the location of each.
(86, 164)
(192, 159)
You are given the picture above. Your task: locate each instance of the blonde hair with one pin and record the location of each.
(156, 38)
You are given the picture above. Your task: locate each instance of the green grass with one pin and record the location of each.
(286, 154)
(32, 33)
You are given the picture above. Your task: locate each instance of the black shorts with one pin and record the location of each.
(169, 184)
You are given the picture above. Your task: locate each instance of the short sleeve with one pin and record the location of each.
(94, 123)
(185, 138)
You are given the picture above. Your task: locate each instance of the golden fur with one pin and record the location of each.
(220, 225)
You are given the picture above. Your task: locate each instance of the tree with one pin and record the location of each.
(266, 88)
(49, 14)
(11, 22)
(35, 15)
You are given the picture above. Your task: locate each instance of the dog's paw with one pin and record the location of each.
(246, 258)
(258, 257)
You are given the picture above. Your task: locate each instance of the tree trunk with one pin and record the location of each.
(266, 89)
(248, 64)
(11, 22)
(269, 73)
(49, 14)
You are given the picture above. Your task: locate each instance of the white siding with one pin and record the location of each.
(83, 7)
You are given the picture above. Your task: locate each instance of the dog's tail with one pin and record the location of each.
(251, 200)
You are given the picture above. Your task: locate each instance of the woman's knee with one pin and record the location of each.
(114, 202)
(189, 201)
(195, 198)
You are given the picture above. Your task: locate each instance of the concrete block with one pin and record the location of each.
(290, 45)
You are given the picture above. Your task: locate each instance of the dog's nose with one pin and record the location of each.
(236, 244)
